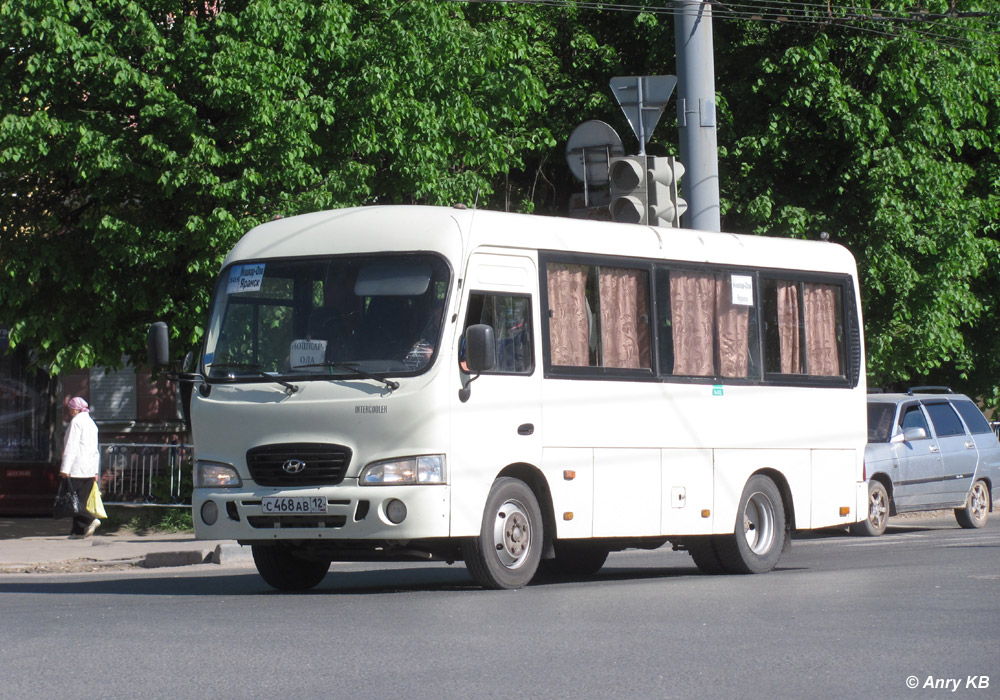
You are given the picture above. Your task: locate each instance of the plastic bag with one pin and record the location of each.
(95, 506)
(67, 504)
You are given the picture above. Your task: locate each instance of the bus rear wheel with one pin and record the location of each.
(281, 568)
(759, 535)
(509, 547)
(704, 551)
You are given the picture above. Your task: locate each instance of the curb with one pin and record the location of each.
(223, 554)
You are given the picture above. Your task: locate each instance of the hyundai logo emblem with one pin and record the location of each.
(293, 466)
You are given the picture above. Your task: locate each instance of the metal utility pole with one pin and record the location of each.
(696, 113)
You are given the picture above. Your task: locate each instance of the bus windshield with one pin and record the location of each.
(317, 318)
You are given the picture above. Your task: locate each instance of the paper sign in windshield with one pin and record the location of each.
(742, 290)
(245, 278)
(307, 352)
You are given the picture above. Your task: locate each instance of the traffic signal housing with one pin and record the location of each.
(627, 175)
(644, 190)
(664, 201)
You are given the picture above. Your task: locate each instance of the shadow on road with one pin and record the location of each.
(245, 583)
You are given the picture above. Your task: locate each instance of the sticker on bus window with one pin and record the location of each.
(742, 289)
(306, 354)
(245, 278)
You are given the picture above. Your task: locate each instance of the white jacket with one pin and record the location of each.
(81, 456)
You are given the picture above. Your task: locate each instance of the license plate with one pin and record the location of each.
(282, 505)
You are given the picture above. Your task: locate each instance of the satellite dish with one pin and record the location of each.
(588, 150)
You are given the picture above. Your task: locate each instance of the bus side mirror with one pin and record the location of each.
(158, 345)
(480, 348)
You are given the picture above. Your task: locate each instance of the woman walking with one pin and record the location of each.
(81, 461)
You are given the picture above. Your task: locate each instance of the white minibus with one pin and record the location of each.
(523, 393)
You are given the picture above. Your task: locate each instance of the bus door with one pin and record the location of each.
(496, 420)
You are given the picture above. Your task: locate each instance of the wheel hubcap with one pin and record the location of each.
(979, 501)
(758, 523)
(877, 509)
(512, 534)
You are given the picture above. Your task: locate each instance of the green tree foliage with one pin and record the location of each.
(884, 135)
(139, 140)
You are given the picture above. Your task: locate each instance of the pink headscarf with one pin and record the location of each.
(78, 404)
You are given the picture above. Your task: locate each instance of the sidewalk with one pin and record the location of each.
(42, 545)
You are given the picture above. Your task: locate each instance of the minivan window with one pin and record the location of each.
(913, 417)
(945, 419)
(973, 417)
(880, 417)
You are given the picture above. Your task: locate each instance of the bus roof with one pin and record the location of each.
(451, 230)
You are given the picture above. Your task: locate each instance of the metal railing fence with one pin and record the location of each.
(145, 473)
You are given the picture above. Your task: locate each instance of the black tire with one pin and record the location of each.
(977, 507)
(878, 512)
(281, 568)
(509, 547)
(575, 558)
(759, 533)
(705, 554)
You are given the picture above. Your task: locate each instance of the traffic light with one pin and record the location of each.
(644, 190)
(664, 201)
(627, 175)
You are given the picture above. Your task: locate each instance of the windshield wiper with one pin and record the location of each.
(256, 370)
(353, 367)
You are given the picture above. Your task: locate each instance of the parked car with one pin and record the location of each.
(928, 451)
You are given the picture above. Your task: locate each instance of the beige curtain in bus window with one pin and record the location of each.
(692, 312)
(624, 318)
(569, 327)
(822, 348)
(733, 331)
(788, 327)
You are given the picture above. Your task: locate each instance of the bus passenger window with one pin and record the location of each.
(598, 316)
(707, 323)
(803, 328)
(510, 318)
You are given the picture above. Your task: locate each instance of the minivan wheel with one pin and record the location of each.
(878, 512)
(977, 507)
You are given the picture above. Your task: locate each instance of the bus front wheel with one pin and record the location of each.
(509, 546)
(759, 535)
(280, 568)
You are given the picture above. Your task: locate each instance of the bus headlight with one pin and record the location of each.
(215, 475)
(427, 469)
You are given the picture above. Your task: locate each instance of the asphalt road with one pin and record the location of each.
(841, 617)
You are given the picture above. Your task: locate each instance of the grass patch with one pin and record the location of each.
(147, 519)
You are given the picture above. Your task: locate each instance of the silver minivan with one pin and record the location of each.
(928, 451)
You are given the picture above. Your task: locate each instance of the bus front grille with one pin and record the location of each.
(298, 464)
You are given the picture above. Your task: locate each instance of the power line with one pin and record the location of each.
(819, 16)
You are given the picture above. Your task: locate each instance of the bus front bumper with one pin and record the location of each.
(345, 513)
